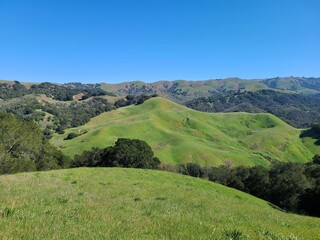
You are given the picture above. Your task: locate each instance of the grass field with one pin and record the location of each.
(102, 203)
(180, 135)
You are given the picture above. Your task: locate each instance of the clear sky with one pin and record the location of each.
(149, 40)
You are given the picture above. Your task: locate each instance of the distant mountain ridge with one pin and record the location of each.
(182, 91)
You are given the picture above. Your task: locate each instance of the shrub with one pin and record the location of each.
(71, 136)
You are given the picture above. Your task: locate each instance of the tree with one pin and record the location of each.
(258, 182)
(220, 175)
(91, 158)
(309, 202)
(194, 169)
(71, 136)
(23, 148)
(288, 182)
(131, 153)
(316, 159)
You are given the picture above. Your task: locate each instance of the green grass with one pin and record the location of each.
(180, 135)
(106, 203)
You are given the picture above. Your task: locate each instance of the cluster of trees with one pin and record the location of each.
(132, 99)
(12, 90)
(296, 109)
(23, 148)
(128, 153)
(24, 108)
(66, 115)
(61, 92)
(291, 186)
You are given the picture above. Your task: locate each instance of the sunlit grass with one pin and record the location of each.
(115, 203)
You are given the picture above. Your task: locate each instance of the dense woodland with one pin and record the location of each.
(296, 109)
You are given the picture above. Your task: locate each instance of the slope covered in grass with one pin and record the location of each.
(177, 133)
(116, 203)
(180, 135)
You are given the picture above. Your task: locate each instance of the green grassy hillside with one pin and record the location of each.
(179, 135)
(116, 203)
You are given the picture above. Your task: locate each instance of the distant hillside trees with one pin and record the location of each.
(296, 109)
(128, 153)
(132, 99)
(61, 92)
(9, 90)
(24, 108)
(22, 148)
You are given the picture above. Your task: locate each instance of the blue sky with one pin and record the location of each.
(149, 40)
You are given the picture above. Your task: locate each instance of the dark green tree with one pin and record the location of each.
(288, 182)
(131, 153)
(23, 148)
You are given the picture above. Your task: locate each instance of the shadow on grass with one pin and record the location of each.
(312, 133)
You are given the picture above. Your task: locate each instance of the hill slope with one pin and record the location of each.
(180, 135)
(137, 204)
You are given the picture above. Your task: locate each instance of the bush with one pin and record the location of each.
(71, 136)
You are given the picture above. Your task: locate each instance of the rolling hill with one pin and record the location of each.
(102, 203)
(181, 135)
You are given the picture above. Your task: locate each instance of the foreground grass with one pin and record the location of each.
(116, 203)
(180, 135)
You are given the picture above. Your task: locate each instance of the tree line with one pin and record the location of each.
(293, 187)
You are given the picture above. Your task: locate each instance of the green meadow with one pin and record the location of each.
(180, 135)
(113, 203)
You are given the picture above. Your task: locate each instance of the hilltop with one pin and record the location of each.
(181, 135)
(101, 203)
